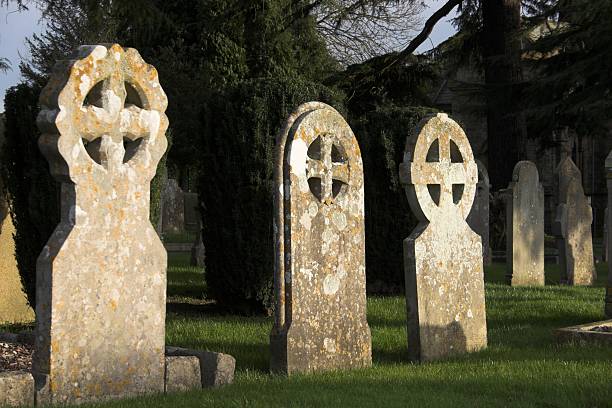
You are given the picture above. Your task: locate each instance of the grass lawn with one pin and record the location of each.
(523, 366)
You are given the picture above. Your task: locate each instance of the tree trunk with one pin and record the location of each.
(503, 76)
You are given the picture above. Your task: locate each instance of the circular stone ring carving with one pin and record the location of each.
(97, 104)
(443, 172)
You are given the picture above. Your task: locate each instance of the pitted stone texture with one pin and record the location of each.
(478, 219)
(14, 306)
(525, 227)
(320, 321)
(101, 278)
(443, 257)
(572, 227)
(182, 374)
(608, 248)
(217, 368)
(16, 389)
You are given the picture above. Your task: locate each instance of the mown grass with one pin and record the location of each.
(522, 367)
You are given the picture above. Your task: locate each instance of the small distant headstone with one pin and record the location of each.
(443, 256)
(198, 252)
(525, 227)
(320, 314)
(192, 212)
(478, 219)
(101, 278)
(608, 233)
(572, 227)
(173, 208)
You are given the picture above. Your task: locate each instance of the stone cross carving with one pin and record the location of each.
(320, 314)
(478, 218)
(572, 227)
(525, 226)
(608, 240)
(443, 256)
(101, 278)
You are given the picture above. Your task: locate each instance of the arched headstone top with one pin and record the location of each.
(451, 165)
(103, 116)
(609, 164)
(322, 153)
(525, 170)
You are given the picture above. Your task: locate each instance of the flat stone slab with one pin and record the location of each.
(182, 374)
(16, 388)
(597, 332)
(216, 369)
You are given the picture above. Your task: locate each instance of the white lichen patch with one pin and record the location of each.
(297, 157)
(331, 284)
(329, 345)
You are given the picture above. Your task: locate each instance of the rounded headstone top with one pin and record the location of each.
(525, 170)
(451, 165)
(103, 112)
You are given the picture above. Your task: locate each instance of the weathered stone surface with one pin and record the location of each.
(525, 227)
(16, 389)
(478, 219)
(182, 373)
(217, 368)
(14, 306)
(173, 208)
(608, 245)
(572, 227)
(320, 315)
(101, 278)
(443, 257)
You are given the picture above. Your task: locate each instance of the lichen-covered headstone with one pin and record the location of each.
(572, 227)
(101, 278)
(525, 227)
(320, 314)
(608, 248)
(443, 257)
(478, 219)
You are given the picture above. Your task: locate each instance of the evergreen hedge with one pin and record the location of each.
(382, 134)
(235, 184)
(34, 194)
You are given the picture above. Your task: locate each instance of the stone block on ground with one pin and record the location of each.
(216, 369)
(182, 374)
(16, 388)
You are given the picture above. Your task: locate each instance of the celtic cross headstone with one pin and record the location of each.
(443, 257)
(101, 278)
(320, 314)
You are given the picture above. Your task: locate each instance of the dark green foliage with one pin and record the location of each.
(382, 137)
(236, 185)
(34, 193)
(573, 86)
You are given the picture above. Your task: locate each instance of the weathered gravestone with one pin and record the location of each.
(320, 315)
(173, 208)
(101, 278)
(572, 226)
(443, 257)
(478, 219)
(525, 227)
(608, 244)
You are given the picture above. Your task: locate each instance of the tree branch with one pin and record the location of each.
(427, 29)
